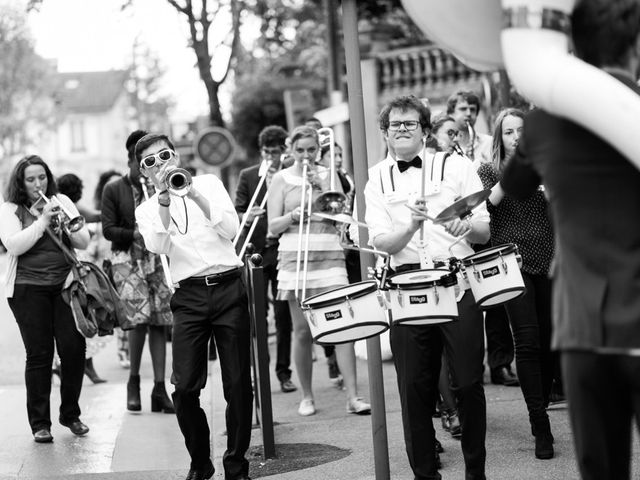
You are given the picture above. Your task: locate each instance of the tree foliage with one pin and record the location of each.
(26, 100)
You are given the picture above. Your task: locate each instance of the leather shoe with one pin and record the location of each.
(43, 436)
(287, 386)
(200, 474)
(76, 427)
(504, 376)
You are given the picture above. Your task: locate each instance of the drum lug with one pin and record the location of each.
(437, 295)
(311, 318)
(504, 264)
(476, 274)
(349, 307)
(382, 300)
(400, 299)
(519, 260)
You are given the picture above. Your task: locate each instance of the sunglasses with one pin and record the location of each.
(156, 159)
(452, 133)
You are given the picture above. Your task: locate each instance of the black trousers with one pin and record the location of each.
(281, 312)
(500, 350)
(530, 317)
(198, 311)
(604, 399)
(44, 318)
(417, 352)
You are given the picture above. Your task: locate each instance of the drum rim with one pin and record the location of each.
(507, 248)
(400, 322)
(308, 303)
(521, 289)
(380, 323)
(444, 280)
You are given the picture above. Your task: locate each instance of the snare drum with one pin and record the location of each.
(494, 275)
(422, 297)
(346, 314)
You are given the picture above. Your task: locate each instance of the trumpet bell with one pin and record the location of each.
(331, 202)
(75, 224)
(178, 181)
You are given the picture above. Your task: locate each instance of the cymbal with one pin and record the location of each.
(462, 207)
(341, 218)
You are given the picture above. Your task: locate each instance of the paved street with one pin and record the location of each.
(330, 445)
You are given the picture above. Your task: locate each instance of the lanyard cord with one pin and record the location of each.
(186, 216)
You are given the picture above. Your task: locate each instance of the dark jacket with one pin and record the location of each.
(118, 214)
(594, 194)
(247, 184)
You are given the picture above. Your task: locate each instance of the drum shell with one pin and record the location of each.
(414, 301)
(494, 275)
(346, 314)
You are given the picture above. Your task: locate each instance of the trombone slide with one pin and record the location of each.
(254, 199)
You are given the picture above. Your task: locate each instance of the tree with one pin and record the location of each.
(199, 24)
(26, 90)
(150, 107)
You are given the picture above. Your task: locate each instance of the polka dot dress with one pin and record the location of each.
(525, 223)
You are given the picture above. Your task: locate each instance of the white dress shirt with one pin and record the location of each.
(387, 191)
(194, 244)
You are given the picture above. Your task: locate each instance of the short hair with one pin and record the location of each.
(148, 140)
(405, 103)
(497, 145)
(467, 95)
(272, 136)
(16, 192)
(313, 120)
(304, 132)
(603, 31)
(71, 185)
(132, 139)
(439, 120)
(104, 178)
(326, 147)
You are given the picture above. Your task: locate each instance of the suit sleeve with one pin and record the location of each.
(243, 193)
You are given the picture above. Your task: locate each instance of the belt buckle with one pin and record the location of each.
(209, 280)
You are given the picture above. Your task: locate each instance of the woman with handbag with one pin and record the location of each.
(36, 274)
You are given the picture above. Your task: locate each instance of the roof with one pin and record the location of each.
(90, 92)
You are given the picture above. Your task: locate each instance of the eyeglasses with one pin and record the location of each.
(452, 133)
(409, 125)
(271, 152)
(159, 158)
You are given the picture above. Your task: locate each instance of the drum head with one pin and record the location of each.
(501, 297)
(422, 278)
(489, 254)
(340, 294)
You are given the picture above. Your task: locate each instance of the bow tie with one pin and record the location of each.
(416, 162)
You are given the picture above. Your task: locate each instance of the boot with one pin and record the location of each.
(90, 372)
(160, 400)
(451, 422)
(544, 439)
(133, 393)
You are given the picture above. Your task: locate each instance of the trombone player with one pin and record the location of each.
(195, 227)
(253, 186)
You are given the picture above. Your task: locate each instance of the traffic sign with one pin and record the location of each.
(215, 146)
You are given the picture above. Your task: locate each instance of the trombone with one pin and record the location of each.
(65, 218)
(331, 201)
(305, 215)
(252, 202)
(163, 258)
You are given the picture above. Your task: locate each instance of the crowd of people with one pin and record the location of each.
(173, 258)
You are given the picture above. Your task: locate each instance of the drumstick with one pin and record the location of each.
(419, 212)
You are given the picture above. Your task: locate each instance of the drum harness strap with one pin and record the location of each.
(437, 162)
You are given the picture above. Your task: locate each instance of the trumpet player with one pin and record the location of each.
(271, 142)
(326, 266)
(195, 231)
(36, 274)
(138, 277)
(464, 106)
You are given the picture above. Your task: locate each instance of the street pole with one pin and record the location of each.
(360, 165)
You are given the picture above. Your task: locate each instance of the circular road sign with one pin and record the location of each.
(215, 146)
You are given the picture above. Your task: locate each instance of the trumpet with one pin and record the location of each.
(472, 140)
(64, 218)
(178, 181)
(331, 201)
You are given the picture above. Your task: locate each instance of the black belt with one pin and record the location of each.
(213, 279)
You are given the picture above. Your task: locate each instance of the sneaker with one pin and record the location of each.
(287, 386)
(358, 406)
(306, 407)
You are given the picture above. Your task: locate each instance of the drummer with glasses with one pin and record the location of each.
(395, 183)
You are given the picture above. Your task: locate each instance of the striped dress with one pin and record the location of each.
(326, 264)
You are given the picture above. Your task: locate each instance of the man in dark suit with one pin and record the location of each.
(594, 193)
(272, 145)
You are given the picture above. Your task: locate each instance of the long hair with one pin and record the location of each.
(102, 181)
(16, 192)
(497, 146)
